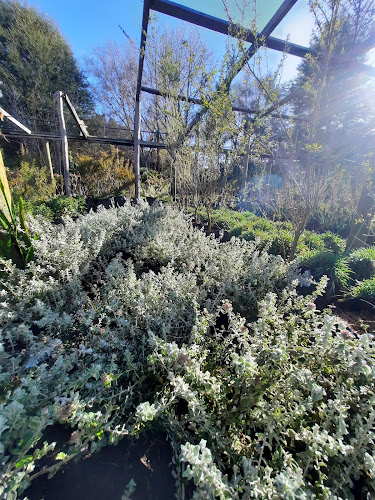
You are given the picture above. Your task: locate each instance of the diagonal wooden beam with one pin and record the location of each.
(73, 112)
(13, 120)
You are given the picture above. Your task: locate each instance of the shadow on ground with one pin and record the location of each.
(105, 475)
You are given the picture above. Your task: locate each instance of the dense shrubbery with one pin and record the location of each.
(31, 181)
(276, 237)
(351, 274)
(130, 318)
(108, 174)
(58, 207)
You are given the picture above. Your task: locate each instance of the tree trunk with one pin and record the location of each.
(297, 234)
(209, 220)
(358, 232)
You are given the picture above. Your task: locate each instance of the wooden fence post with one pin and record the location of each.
(49, 161)
(64, 141)
(6, 199)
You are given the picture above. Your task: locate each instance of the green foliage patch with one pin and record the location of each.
(323, 254)
(58, 207)
(276, 237)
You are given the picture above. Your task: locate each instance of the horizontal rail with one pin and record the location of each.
(200, 102)
(106, 140)
(79, 138)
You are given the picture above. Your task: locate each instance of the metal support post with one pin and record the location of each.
(137, 148)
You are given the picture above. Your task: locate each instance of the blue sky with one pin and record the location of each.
(87, 24)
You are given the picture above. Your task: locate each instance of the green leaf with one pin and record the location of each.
(9, 205)
(4, 252)
(4, 221)
(30, 255)
(25, 460)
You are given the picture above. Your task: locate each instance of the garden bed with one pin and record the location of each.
(130, 320)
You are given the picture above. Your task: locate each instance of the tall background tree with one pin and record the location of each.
(36, 62)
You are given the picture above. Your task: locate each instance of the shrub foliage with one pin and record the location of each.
(130, 318)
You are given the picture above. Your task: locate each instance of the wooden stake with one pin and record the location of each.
(246, 157)
(64, 141)
(7, 199)
(158, 150)
(49, 161)
(245, 165)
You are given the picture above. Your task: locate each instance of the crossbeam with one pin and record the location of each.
(106, 140)
(226, 28)
(200, 102)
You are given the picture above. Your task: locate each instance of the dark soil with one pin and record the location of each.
(360, 321)
(105, 475)
(117, 201)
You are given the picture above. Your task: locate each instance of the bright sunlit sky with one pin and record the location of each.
(87, 24)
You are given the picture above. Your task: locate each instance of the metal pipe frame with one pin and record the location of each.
(226, 28)
(204, 20)
(193, 100)
(79, 138)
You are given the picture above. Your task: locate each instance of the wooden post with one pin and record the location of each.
(246, 156)
(245, 165)
(5, 198)
(64, 141)
(49, 161)
(137, 149)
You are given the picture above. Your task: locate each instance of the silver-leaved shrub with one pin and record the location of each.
(129, 318)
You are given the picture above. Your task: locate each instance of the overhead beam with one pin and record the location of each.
(180, 97)
(248, 54)
(13, 120)
(226, 28)
(73, 112)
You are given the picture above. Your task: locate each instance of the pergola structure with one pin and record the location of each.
(220, 26)
(199, 19)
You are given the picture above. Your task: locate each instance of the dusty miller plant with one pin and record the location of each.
(130, 318)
